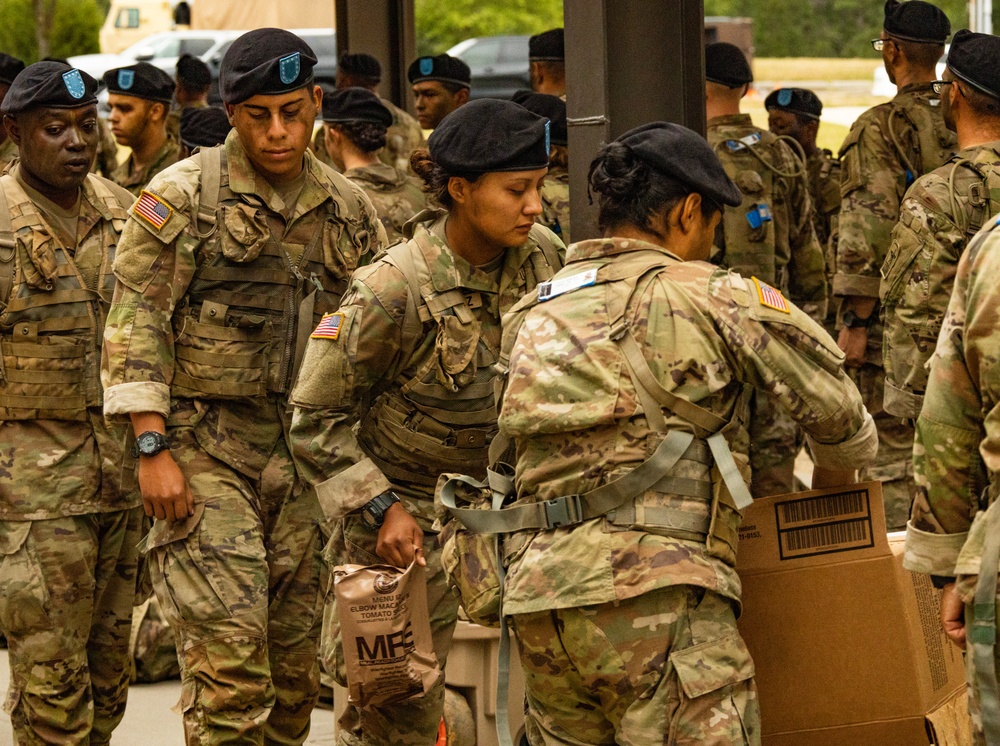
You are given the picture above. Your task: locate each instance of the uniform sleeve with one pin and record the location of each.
(807, 263)
(917, 279)
(872, 186)
(154, 265)
(956, 453)
(788, 355)
(338, 374)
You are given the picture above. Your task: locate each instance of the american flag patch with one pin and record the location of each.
(329, 327)
(153, 210)
(771, 297)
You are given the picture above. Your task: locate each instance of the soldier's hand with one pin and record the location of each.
(400, 539)
(853, 342)
(953, 616)
(165, 491)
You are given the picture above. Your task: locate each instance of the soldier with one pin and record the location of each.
(440, 85)
(547, 63)
(194, 78)
(203, 128)
(228, 260)
(888, 147)
(413, 346)
(139, 97)
(625, 614)
(355, 122)
(9, 69)
(941, 212)
(70, 514)
(404, 134)
(555, 190)
(769, 235)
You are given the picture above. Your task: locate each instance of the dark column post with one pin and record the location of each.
(384, 29)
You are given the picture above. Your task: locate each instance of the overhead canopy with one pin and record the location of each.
(251, 14)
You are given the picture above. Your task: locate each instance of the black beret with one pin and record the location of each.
(360, 65)
(443, 68)
(204, 127)
(975, 58)
(490, 135)
(356, 105)
(9, 68)
(50, 85)
(916, 21)
(265, 62)
(726, 65)
(549, 45)
(685, 156)
(193, 73)
(552, 108)
(141, 80)
(796, 101)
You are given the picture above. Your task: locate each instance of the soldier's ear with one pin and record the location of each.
(12, 128)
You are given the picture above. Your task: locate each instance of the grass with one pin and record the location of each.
(788, 69)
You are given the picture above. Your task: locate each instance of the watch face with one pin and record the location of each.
(148, 442)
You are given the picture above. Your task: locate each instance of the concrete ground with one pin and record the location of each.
(149, 720)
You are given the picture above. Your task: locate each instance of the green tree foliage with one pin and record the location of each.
(441, 25)
(818, 28)
(75, 25)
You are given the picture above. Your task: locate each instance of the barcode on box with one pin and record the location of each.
(825, 524)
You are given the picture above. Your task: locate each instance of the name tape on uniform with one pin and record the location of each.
(549, 290)
(771, 297)
(329, 327)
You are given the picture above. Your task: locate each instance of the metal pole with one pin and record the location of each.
(981, 16)
(384, 29)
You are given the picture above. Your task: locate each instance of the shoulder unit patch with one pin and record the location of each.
(152, 209)
(329, 327)
(771, 297)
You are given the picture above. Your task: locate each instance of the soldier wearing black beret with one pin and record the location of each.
(359, 70)
(139, 96)
(555, 190)
(203, 127)
(9, 68)
(194, 78)
(70, 579)
(547, 63)
(440, 85)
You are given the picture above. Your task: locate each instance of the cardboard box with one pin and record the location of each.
(847, 644)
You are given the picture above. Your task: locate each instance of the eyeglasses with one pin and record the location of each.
(938, 86)
(877, 44)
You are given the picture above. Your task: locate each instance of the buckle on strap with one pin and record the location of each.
(563, 511)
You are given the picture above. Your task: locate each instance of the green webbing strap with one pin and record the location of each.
(503, 654)
(731, 476)
(413, 327)
(983, 634)
(7, 247)
(211, 183)
(571, 509)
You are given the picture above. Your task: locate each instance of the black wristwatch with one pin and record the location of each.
(853, 321)
(373, 513)
(150, 443)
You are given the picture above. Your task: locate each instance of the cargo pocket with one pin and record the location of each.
(359, 543)
(188, 698)
(24, 602)
(245, 232)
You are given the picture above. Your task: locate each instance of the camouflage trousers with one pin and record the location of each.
(240, 583)
(666, 667)
(411, 723)
(66, 608)
(775, 440)
(893, 466)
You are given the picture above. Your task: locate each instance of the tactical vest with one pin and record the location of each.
(249, 310)
(444, 414)
(51, 330)
(690, 488)
(920, 138)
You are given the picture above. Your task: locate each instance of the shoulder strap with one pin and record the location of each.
(413, 324)
(544, 240)
(7, 245)
(211, 186)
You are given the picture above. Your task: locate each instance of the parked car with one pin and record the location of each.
(499, 64)
(882, 87)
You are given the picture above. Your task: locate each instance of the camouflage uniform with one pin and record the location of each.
(402, 138)
(396, 196)
(70, 514)
(418, 337)
(106, 161)
(8, 153)
(555, 202)
(955, 450)
(824, 187)
(135, 181)
(782, 251)
(889, 146)
(208, 333)
(626, 622)
(941, 212)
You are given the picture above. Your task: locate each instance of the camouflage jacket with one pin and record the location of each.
(401, 139)
(555, 202)
(107, 151)
(941, 212)
(396, 196)
(824, 188)
(770, 235)
(888, 148)
(58, 457)
(411, 351)
(956, 455)
(136, 180)
(8, 153)
(204, 330)
(576, 418)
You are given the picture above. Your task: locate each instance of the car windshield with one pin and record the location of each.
(154, 46)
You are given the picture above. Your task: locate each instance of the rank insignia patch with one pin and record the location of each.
(329, 327)
(153, 210)
(770, 297)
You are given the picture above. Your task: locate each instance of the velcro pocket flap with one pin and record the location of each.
(712, 665)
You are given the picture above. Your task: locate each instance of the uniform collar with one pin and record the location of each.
(599, 248)
(730, 120)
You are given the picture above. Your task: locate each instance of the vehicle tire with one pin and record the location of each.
(458, 723)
